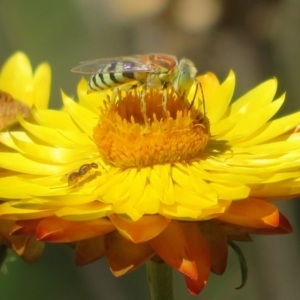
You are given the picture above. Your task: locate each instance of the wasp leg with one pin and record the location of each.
(116, 90)
(164, 97)
(203, 99)
(114, 95)
(202, 93)
(193, 101)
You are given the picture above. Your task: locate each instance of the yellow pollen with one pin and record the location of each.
(139, 132)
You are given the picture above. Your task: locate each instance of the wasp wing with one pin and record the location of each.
(124, 64)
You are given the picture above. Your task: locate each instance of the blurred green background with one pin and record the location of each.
(258, 39)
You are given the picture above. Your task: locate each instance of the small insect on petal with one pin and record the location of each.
(76, 177)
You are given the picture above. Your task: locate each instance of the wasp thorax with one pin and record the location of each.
(158, 127)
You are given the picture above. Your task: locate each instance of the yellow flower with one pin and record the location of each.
(128, 179)
(20, 88)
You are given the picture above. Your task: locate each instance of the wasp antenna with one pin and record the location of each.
(192, 103)
(203, 100)
(202, 93)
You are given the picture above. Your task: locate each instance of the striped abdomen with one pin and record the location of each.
(115, 74)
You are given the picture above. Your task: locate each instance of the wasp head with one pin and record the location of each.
(186, 76)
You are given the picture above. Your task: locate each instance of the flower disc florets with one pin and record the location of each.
(140, 131)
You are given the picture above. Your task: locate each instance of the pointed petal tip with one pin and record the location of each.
(146, 228)
(195, 286)
(88, 251)
(284, 224)
(123, 255)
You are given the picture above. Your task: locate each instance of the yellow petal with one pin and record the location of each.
(16, 78)
(84, 212)
(92, 101)
(251, 122)
(80, 115)
(260, 96)
(42, 85)
(217, 103)
(209, 83)
(12, 213)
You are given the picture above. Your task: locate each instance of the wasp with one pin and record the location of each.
(75, 177)
(149, 70)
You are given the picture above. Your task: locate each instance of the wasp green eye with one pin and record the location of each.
(185, 79)
(186, 75)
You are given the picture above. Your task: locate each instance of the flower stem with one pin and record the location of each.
(160, 281)
(3, 254)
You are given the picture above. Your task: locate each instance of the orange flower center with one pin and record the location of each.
(139, 132)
